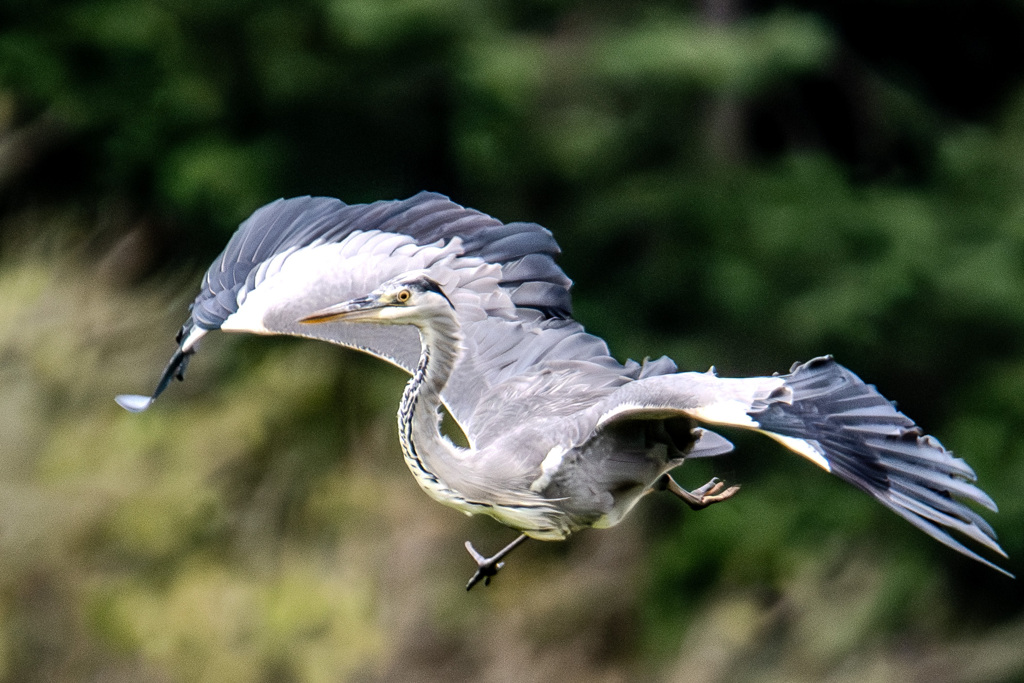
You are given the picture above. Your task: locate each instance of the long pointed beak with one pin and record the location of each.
(354, 310)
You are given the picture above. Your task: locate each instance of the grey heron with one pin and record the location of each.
(562, 437)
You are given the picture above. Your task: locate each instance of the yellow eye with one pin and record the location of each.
(403, 296)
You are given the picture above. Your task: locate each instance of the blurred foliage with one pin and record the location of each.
(737, 184)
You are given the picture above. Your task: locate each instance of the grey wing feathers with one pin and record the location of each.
(512, 317)
(530, 362)
(268, 231)
(289, 224)
(544, 367)
(878, 449)
(508, 270)
(826, 413)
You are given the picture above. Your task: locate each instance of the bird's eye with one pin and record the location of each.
(403, 296)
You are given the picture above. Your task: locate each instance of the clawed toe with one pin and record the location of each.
(701, 497)
(714, 497)
(708, 489)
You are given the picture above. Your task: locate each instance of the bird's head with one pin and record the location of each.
(408, 299)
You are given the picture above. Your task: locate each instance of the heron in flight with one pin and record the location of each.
(562, 437)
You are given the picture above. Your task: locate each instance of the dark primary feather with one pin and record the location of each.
(878, 449)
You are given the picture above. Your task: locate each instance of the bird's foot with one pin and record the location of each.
(487, 567)
(701, 497)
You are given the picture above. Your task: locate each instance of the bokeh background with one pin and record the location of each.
(738, 183)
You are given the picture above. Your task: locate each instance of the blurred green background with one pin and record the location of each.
(743, 184)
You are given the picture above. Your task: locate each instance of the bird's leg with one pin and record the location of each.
(699, 498)
(486, 567)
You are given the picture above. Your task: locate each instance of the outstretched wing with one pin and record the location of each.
(294, 256)
(363, 239)
(827, 414)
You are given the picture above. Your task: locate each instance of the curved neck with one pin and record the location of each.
(433, 459)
